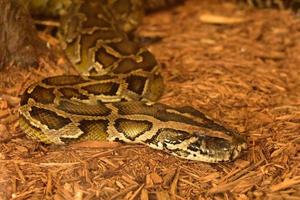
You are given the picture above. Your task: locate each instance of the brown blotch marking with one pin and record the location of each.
(154, 88)
(210, 124)
(91, 10)
(104, 58)
(49, 118)
(170, 136)
(125, 47)
(95, 22)
(136, 84)
(39, 94)
(32, 131)
(102, 88)
(72, 93)
(89, 41)
(125, 66)
(102, 77)
(159, 111)
(154, 6)
(92, 129)
(24, 98)
(79, 108)
(64, 80)
(132, 128)
(137, 107)
(206, 122)
(192, 111)
(128, 64)
(122, 7)
(148, 62)
(156, 110)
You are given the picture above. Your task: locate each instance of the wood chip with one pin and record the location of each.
(149, 182)
(163, 195)
(4, 113)
(173, 188)
(123, 192)
(286, 184)
(96, 144)
(144, 194)
(136, 193)
(218, 19)
(156, 178)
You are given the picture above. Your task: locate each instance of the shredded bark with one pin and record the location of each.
(239, 65)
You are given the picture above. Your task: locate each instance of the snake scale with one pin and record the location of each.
(114, 98)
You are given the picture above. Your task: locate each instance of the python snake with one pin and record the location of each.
(114, 98)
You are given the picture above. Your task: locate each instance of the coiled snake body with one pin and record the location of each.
(114, 98)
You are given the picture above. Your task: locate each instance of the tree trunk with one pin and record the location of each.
(19, 43)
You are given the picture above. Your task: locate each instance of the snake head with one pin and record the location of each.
(216, 149)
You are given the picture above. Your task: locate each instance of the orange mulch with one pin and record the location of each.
(239, 65)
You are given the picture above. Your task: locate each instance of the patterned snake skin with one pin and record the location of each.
(279, 4)
(114, 97)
